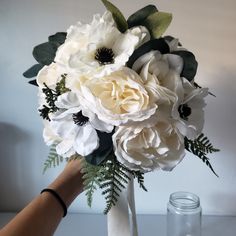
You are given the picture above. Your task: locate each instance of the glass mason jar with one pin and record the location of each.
(184, 215)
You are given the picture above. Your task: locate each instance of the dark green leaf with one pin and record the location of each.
(190, 64)
(139, 16)
(33, 71)
(58, 38)
(155, 44)
(45, 53)
(157, 23)
(169, 38)
(103, 151)
(33, 82)
(118, 17)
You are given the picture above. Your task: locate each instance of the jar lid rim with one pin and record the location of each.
(184, 200)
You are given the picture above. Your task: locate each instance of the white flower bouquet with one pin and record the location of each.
(122, 96)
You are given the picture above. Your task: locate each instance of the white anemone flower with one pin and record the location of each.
(75, 127)
(99, 48)
(189, 112)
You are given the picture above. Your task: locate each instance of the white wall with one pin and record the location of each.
(207, 27)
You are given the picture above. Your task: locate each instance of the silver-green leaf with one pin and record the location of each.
(139, 16)
(157, 23)
(118, 17)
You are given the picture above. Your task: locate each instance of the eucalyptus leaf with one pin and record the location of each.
(157, 23)
(118, 17)
(103, 151)
(33, 82)
(58, 38)
(45, 53)
(139, 16)
(33, 71)
(155, 44)
(190, 64)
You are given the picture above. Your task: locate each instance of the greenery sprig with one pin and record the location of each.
(51, 96)
(53, 159)
(111, 177)
(200, 147)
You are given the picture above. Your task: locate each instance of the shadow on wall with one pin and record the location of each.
(13, 147)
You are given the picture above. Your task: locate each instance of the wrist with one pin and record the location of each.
(69, 184)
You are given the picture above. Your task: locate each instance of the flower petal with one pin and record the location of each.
(86, 140)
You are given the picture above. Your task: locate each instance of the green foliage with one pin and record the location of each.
(92, 176)
(200, 147)
(155, 44)
(139, 16)
(58, 38)
(45, 53)
(51, 96)
(190, 64)
(53, 159)
(116, 179)
(104, 150)
(111, 177)
(33, 71)
(157, 23)
(203, 143)
(61, 86)
(118, 17)
(140, 178)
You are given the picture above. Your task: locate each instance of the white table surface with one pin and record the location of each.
(149, 225)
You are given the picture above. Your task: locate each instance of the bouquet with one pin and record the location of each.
(121, 96)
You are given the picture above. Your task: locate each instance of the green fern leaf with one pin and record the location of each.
(53, 159)
(111, 177)
(92, 176)
(140, 178)
(116, 179)
(199, 148)
(204, 144)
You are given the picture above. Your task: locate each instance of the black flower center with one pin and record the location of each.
(184, 111)
(80, 119)
(104, 56)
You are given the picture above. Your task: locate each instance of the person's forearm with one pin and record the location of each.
(42, 216)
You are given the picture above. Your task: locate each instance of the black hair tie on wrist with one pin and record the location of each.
(56, 195)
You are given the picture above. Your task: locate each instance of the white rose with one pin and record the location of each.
(117, 98)
(149, 147)
(98, 48)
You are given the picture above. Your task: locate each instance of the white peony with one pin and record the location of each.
(116, 99)
(149, 147)
(75, 128)
(186, 102)
(99, 48)
(157, 72)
